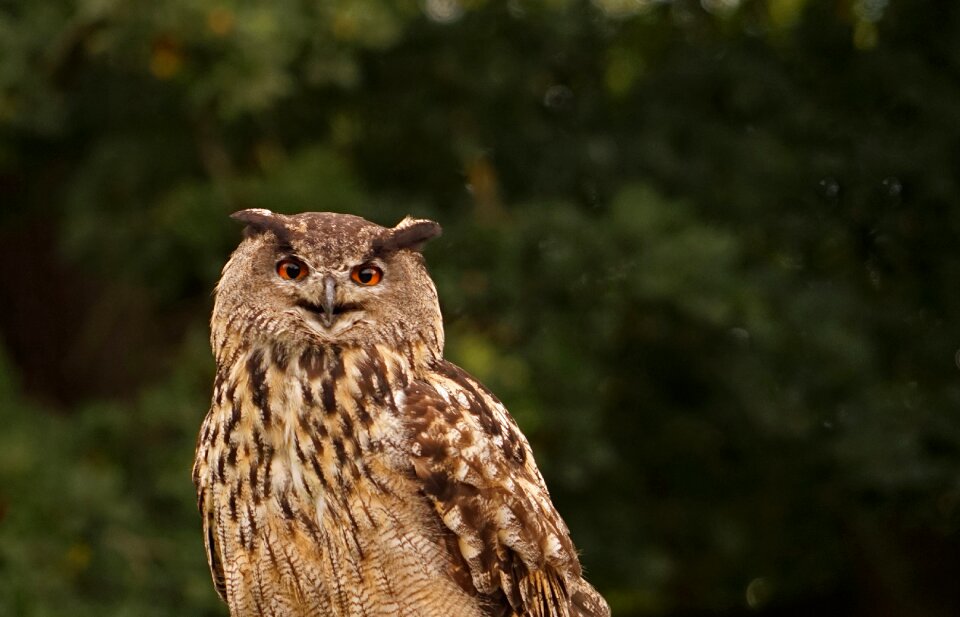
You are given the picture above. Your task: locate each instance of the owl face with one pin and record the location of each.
(328, 278)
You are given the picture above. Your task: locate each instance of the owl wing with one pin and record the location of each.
(508, 541)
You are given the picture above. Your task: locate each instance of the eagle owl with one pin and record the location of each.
(345, 468)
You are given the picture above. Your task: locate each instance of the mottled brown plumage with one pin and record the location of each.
(345, 468)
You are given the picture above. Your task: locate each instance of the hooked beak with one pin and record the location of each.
(327, 311)
(329, 301)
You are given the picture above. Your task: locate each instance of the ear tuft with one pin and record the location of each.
(410, 233)
(259, 221)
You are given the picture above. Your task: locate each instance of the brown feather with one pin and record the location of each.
(409, 234)
(487, 490)
(262, 221)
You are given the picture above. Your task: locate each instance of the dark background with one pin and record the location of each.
(706, 252)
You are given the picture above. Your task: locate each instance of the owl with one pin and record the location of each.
(345, 468)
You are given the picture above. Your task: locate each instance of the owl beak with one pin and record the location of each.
(329, 302)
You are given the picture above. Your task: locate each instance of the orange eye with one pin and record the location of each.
(366, 274)
(291, 269)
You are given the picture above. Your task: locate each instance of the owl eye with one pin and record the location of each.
(291, 269)
(366, 274)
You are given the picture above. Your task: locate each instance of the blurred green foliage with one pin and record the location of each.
(704, 251)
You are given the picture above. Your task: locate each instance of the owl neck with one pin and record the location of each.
(315, 374)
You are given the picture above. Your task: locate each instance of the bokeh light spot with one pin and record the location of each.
(443, 11)
(758, 593)
(166, 58)
(220, 21)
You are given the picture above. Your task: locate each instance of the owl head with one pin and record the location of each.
(327, 278)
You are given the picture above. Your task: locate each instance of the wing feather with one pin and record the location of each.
(213, 552)
(477, 469)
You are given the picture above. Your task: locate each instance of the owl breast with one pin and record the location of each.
(310, 505)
